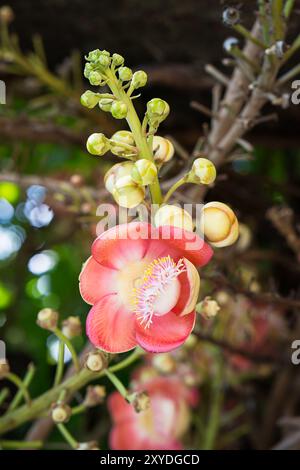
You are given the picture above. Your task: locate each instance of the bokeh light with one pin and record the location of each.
(53, 348)
(42, 262)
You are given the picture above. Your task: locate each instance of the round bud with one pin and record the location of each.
(117, 171)
(231, 16)
(89, 99)
(219, 224)
(97, 144)
(95, 361)
(141, 401)
(71, 327)
(125, 74)
(174, 216)
(61, 413)
(122, 137)
(95, 78)
(104, 61)
(117, 60)
(94, 395)
(88, 68)
(144, 172)
(105, 104)
(119, 110)
(163, 149)
(4, 369)
(47, 319)
(93, 56)
(127, 193)
(203, 171)
(157, 110)
(208, 308)
(230, 43)
(139, 79)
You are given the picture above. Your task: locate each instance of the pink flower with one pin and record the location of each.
(143, 285)
(158, 428)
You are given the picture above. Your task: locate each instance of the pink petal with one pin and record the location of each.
(122, 244)
(96, 281)
(167, 332)
(110, 326)
(119, 408)
(190, 284)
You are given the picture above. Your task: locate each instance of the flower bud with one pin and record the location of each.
(105, 104)
(117, 60)
(144, 172)
(203, 172)
(95, 78)
(127, 193)
(163, 149)
(208, 308)
(222, 297)
(71, 327)
(88, 68)
(125, 74)
(4, 369)
(117, 171)
(245, 238)
(92, 445)
(164, 363)
(47, 319)
(93, 56)
(119, 110)
(219, 224)
(94, 395)
(139, 79)
(61, 413)
(89, 99)
(97, 144)
(175, 216)
(141, 401)
(96, 361)
(122, 137)
(157, 110)
(104, 61)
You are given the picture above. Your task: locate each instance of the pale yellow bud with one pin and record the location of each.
(141, 402)
(222, 297)
(71, 327)
(47, 319)
(175, 216)
(208, 308)
(61, 413)
(219, 224)
(97, 144)
(203, 172)
(163, 149)
(117, 171)
(127, 193)
(96, 361)
(164, 362)
(144, 172)
(122, 137)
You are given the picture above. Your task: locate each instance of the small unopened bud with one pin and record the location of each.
(139, 79)
(157, 110)
(89, 99)
(203, 172)
(163, 149)
(208, 308)
(144, 172)
(141, 402)
(230, 43)
(88, 68)
(122, 137)
(4, 369)
(164, 362)
(119, 110)
(231, 16)
(105, 104)
(97, 144)
(93, 56)
(174, 216)
(94, 395)
(219, 224)
(104, 61)
(117, 171)
(92, 445)
(96, 361)
(47, 319)
(117, 60)
(61, 413)
(95, 78)
(71, 327)
(127, 193)
(125, 74)
(6, 14)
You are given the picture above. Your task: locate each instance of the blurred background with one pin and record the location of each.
(50, 188)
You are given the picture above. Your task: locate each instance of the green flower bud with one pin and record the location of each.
(157, 110)
(119, 110)
(117, 60)
(104, 60)
(139, 79)
(93, 56)
(144, 172)
(117, 171)
(89, 99)
(95, 78)
(104, 52)
(127, 193)
(88, 68)
(97, 144)
(203, 172)
(125, 74)
(105, 104)
(122, 137)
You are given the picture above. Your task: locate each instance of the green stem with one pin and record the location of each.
(76, 410)
(26, 382)
(277, 8)
(18, 383)
(69, 345)
(67, 435)
(175, 186)
(60, 363)
(291, 51)
(20, 444)
(288, 8)
(3, 395)
(247, 35)
(117, 383)
(264, 21)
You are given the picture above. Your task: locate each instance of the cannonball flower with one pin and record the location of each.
(219, 224)
(161, 426)
(143, 286)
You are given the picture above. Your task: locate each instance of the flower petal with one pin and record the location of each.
(96, 281)
(119, 409)
(190, 285)
(166, 332)
(110, 326)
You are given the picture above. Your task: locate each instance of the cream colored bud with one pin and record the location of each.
(47, 319)
(163, 149)
(117, 171)
(89, 99)
(4, 369)
(97, 144)
(203, 172)
(222, 297)
(175, 216)
(245, 238)
(164, 363)
(141, 401)
(96, 361)
(219, 224)
(61, 413)
(122, 143)
(208, 308)
(71, 327)
(127, 193)
(144, 172)
(92, 445)
(94, 395)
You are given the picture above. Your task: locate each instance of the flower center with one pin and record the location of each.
(159, 289)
